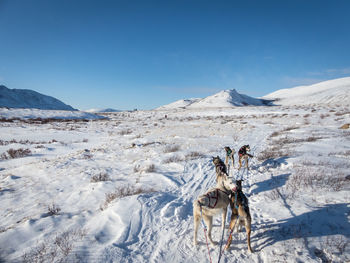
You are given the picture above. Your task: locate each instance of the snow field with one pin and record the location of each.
(169, 160)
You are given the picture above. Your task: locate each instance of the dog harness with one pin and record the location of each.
(213, 197)
(242, 151)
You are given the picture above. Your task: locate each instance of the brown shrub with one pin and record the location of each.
(15, 153)
(345, 126)
(173, 159)
(194, 155)
(58, 249)
(53, 209)
(123, 192)
(102, 177)
(171, 148)
(125, 132)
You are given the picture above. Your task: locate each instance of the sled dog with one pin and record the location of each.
(240, 214)
(220, 167)
(229, 156)
(213, 202)
(243, 154)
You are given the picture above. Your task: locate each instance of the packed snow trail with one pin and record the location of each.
(165, 228)
(164, 231)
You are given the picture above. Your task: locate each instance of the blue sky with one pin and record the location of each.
(144, 54)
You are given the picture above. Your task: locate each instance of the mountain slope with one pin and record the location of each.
(178, 104)
(21, 98)
(335, 91)
(227, 98)
(223, 99)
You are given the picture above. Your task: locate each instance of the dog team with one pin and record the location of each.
(243, 154)
(225, 193)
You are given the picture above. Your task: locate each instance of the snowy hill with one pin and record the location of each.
(335, 91)
(223, 99)
(227, 98)
(21, 98)
(179, 104)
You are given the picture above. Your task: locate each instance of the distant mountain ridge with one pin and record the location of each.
(336, 91)
(106, 110)
(222, 99)
(22, 98)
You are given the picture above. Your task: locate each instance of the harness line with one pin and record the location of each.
(222, 238)
(236, 206)
(231, 233)
(205, 232)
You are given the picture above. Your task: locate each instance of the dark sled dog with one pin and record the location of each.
(229, 156)
(243, 154)
(240, 214)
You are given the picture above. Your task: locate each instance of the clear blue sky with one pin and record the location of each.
(144, 54)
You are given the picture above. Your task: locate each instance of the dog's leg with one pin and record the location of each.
(209, 222)
(248, 230)
(226, 160)
(246, 162)
(226, 163)
(233, 161)
(224, 213)
(196, 219)
(234, 218)
(239, 162)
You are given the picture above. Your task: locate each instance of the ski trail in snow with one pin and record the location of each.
(168, 237)
(158, 235)
(161, 230)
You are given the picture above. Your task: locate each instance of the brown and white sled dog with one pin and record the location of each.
(213, 202)
(240, 214)
(229, 156)
(243, 154)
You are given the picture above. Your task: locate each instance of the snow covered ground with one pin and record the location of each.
(31, 113)
(121, 189)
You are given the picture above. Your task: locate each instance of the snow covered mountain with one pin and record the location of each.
(335, 91)
(227, 98)
(22, 98)
(223, 99)
(179, 104)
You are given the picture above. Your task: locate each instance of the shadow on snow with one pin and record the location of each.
(328, 220)
(270, 184)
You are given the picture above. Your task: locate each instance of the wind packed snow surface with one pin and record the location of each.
(121, 189)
